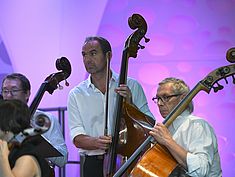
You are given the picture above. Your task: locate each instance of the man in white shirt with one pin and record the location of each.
(189, 139)
(17, 86)
(86, 105)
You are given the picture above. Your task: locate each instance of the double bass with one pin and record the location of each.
(41, 123)
(157, 161)
(51, 83)
(135, 134)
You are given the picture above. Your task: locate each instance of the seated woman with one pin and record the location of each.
(20, 160)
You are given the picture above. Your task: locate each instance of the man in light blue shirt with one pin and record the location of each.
(17, 86)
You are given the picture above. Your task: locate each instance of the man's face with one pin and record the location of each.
(12, 89)
(167, 99)
(93, 57)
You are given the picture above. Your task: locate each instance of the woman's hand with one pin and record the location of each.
(4, 151)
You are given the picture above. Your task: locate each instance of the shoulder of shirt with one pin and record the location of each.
(116, 76)
(130, 79)
(82, 85)
(198, 120)
(131, 82)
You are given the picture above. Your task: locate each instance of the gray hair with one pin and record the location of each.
(179, 87)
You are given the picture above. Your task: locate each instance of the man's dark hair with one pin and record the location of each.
(25, 84)
(14, 116)
(104, 43)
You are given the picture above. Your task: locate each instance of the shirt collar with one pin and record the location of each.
(179, 120)
(114, 78)
(87, 82)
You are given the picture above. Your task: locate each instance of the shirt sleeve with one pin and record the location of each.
(74, 117)
(201, 149)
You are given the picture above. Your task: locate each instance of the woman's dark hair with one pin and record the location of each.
(14, 116)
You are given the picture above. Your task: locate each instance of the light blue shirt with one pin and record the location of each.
(55, 137)
(86, 108)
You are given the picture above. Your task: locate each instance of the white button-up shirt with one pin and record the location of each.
(86, 108)
(197, 137)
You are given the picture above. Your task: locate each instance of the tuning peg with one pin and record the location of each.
(141, 46)
(66, 83)
(60, 87)
(146, 39)
(233, 79)
(219, 87)
(226, 81)
(216, 89)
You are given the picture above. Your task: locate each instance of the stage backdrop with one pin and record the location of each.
(188, 39)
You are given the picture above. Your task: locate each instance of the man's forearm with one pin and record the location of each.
(85, 142)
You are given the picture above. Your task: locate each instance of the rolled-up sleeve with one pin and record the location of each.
(74, 118)
(197, 165)
(202, 150)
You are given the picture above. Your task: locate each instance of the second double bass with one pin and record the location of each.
(134, 134)
(199, 138)
(39, 122)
